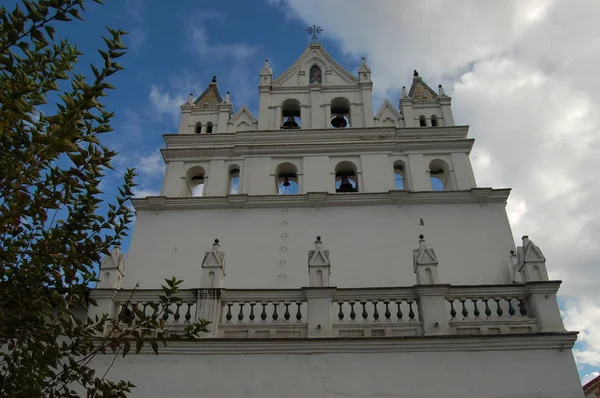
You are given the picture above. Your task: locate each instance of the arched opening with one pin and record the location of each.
(286, 179)
(340, 112)
(428, 277)
(422, 121)
(319, 281)
(198, 128)
(389, 122)
(209, 127)
(290, 113)
(315, 75)
(439, 173)
(234, 180)
(242, 126)
(399, 175)
(211, 278)
(346, 177)
(195, 178)
(537, 273)
(434, 121)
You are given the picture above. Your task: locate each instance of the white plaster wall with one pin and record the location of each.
(369, 245)
(491, 374)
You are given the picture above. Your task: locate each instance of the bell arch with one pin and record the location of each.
(233, 183)
(439, 175)
(346, 177)
(286, 179)
(400, 180)
(290, 113)
(195, 178)
(340, 112)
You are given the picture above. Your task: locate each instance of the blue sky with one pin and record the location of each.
(522, 74)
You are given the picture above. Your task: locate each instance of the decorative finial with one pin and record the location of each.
(315, 31)
(512, 252)
(415, 73)
(441, 89)
(227, 97)
(318, 238)
(266, 64)
(214, 79)
(216, 242)
(421, 238)
(404, 93)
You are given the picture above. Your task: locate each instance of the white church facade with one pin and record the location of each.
(355, 256)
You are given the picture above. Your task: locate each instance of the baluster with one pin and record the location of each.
(511, 309)
(375, 312)
(188, 314)
(165, 316)
(340, 313)
(177, 315)
(154, 308)
(229, 316)
(145, 305)
(263, 314)
(399, 313)
(251, 316)
(286, 315)
(464, 312)
(365, 314)
(488, 311)
(498, 308)
(452, 310)
(387, 313)
(241, 313)
(298, 313)
(352, 313)
(133, 308)
(411, 313)
(475, 309)
(275, 314)
(522, 308)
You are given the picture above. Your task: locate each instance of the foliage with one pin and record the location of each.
(54, 225)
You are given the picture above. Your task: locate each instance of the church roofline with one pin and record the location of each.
(214, 89)
(332, 63)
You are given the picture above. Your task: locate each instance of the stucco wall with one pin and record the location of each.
(369, 245)
(491, 374)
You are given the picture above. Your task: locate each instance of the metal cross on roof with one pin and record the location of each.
(315, 31)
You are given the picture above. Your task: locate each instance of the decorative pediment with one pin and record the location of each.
(211, 95)
(424, 255)
(315, 54)
(243, 120)
(388, 115)
(532, 253)
(115, 260)
(420, 90)
(215, 258)
(318, 257)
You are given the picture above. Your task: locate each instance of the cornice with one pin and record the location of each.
(316, 136)
(157, 203)
(317, 147)
(360, 345)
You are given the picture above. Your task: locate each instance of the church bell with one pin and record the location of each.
(286, 182)
(339, 121)
(290, 123)
(345, 186)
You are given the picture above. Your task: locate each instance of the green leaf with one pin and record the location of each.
(126, 348)
(154, 345)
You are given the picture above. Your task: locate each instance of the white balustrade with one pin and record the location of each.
(360, 312)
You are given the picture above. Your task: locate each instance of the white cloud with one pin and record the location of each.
(589, 377)
(151, 165)
(165, 103)
(142, 193)
(200, 40)
(523, 75)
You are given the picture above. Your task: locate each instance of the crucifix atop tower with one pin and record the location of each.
(315, 31)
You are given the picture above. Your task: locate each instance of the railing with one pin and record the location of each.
(375, 312)
(263, 314)
(364, 312)
(488, 309)
(184, 312)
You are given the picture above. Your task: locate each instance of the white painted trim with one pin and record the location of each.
(558, 341)
(156, 203)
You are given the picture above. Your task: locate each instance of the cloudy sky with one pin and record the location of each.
(523, 74)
